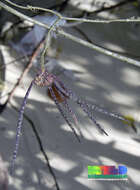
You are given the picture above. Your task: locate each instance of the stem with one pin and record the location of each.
(47, 44)
(78, 40)
(39, 143)
(31, 8)
(28, 7)
(100, 49)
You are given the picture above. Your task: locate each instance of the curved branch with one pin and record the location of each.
(78, 40)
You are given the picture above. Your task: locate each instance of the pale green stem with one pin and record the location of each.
(28, 7)
(47, 44)
(73, 38)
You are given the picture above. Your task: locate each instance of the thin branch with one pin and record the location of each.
(25, 71)
(82, 20)
(10, 94)
(16, 5)
(22, 16)
(47, 43)
(63, 6)
(100, 49)
(12, 62)
(39, 143)
(85, 36)
(32, 8)
(118, 5)
(130, 20)
(78, 40)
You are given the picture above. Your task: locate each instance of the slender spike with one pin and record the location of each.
(61, 88)
(82, 104)
(73, 96)
(73, 116)
(65, 91)
(66, 104)
(85, 109)
(62, 113)
(19, 127)
(102, 110)
(71, 112)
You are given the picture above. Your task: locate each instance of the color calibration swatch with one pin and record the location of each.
(107, 172)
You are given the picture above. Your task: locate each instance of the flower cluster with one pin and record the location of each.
(60, 94)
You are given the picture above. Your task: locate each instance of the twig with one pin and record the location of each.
(47, 43)
(48, 37)
(84, 35)
(63, 5)
(80, 41)
(32, 8)
(100, 49)
(122, 3)
(82, 20)
(12, 62)
(3, 106)
(39, 143)
(36, 52)
(25, 71)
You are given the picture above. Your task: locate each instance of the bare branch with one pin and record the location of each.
(78, 40)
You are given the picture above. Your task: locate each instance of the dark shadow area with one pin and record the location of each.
(57, 142)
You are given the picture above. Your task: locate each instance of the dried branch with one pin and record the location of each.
(78, 40)
(10, 94)
(85, 36)
(117, 5)
(47, 43)
(23, 74)
(82, 20)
